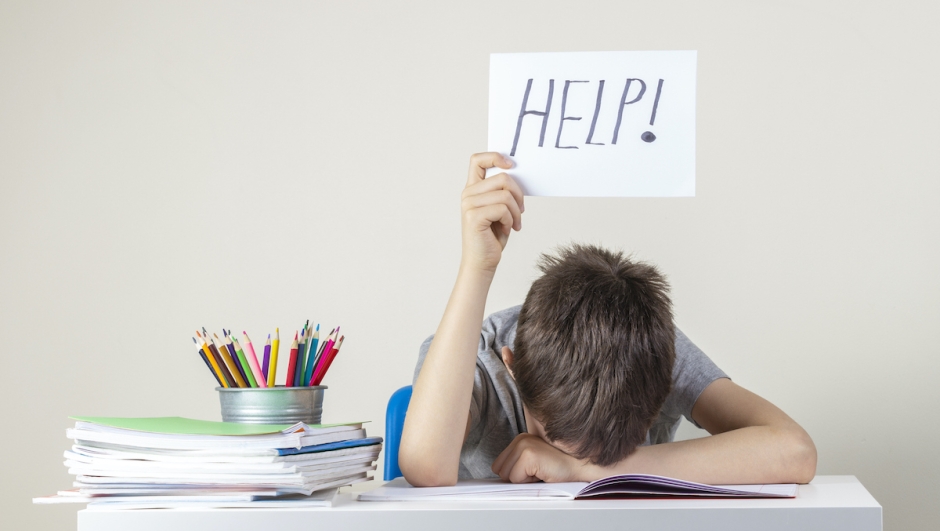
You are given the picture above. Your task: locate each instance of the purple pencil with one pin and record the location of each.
(267, 358)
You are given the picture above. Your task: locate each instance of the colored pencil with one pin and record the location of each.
(221, 361)
(311, 355)
(215, 366)
(275, 346)
(325, 352)
(234, 355)
(329, 361)
(292, 363)
(244, 361)
(319, 357)
(205, 359)
(253, 361)
(307, 354)
(267, 361)
(226, 375)
(229, 362)
(299, 370)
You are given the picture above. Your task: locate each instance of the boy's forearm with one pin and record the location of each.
(751, 455)
(436, 423)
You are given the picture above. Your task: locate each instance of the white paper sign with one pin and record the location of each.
(596, 124)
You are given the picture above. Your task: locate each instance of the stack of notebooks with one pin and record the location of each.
(170, 462)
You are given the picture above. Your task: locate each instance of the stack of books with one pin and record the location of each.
(169, 462)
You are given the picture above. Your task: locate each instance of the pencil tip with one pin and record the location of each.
(318, 327)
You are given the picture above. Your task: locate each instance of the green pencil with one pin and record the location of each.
(244, 361)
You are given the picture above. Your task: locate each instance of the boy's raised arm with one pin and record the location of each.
(438, 415)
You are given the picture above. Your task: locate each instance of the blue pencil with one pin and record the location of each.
(311, 355)
(299, 370)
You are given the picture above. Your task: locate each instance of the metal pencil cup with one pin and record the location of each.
(272, 405)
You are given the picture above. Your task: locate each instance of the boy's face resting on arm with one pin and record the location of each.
(533, 456)
(593, 363)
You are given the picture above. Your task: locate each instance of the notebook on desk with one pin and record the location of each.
(625, 486)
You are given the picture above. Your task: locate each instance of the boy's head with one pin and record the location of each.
(594, 351)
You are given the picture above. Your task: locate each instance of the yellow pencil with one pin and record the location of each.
(275, 344)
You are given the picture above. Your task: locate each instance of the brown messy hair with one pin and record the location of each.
(594, 350)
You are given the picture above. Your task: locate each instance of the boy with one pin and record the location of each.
(588, 379)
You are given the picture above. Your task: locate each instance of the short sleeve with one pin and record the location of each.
(496, 412)
(692, 373)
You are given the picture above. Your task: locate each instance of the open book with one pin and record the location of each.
(627, 486)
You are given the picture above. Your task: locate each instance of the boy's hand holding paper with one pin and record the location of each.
(490, 209)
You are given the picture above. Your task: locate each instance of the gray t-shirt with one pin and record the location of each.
(496, 416)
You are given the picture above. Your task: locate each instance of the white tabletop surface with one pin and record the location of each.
(828, 502)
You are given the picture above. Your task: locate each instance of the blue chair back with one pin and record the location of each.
(394, 422)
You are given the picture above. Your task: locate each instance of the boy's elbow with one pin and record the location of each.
(802, 461)
(423, 472)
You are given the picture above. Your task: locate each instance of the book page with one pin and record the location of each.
(474, 489)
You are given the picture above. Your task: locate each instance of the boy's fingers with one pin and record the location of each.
(506, 467)
(485, 216)
(500, 197)
(501, 458)
(523, 473)
(480, 162)
(506, 459)
(501, 181)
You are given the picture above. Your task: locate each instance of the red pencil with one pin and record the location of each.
(292, 363)
(327, 348)
(329, 360)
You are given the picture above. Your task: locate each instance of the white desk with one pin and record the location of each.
(829, 502)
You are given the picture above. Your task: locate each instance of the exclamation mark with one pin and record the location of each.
(648, 136)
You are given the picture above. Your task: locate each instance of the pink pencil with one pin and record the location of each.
(253, 361)
(327, 348)
(329, 361)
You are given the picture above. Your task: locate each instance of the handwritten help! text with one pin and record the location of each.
(633, 92)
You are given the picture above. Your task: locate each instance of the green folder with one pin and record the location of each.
(184, 426)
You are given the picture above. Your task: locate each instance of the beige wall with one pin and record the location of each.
(169, 165)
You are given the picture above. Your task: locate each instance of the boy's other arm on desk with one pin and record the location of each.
(752, 442)
(439, 413)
